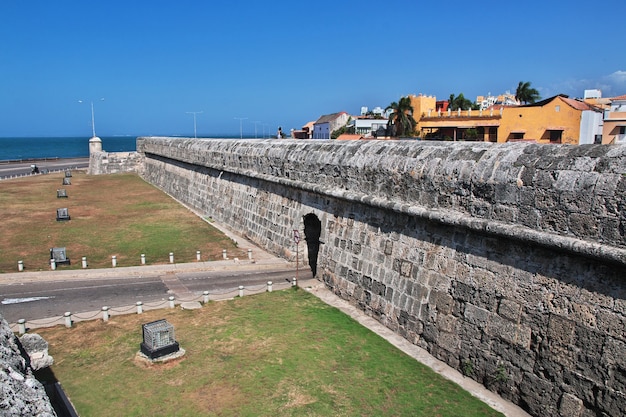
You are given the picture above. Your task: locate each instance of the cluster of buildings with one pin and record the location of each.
(558, 119)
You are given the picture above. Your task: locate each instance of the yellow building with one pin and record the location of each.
(558, 119)
(422, 105)
(474, 125)
(614, 129)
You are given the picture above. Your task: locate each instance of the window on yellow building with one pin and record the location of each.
(555, 136)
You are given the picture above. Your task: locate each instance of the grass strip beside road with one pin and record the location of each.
(284, 353)
(117, 214)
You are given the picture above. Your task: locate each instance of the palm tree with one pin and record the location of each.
(401, 121)
(460, 102)
(525, 94)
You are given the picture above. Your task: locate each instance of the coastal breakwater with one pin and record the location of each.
(508, 262)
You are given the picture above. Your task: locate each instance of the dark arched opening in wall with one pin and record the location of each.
(312, 233)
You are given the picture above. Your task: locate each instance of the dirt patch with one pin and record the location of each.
(217, 398)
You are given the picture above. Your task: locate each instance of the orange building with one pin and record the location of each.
(557, 119)
(614, 129)
(422, 105)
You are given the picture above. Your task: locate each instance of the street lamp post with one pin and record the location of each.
(194, 121)
(241, 119)
(255, 123)
(93, 119)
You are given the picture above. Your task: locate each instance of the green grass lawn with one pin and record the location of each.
(283, 353)
(119, 215)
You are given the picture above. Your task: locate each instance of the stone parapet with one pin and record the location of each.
(114, 162)
(570, 197)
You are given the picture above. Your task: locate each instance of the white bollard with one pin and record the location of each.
(269, 286)
(114, 261)
(241, 291)
(197, 255)
(250, 254)
(68, 319)
(294, 282)
(105, 313)
(143, 258)
(21, 323)
(139, 307)
(205, 297)
(20, 266)
(53, 264)
(224, 254)
(171, 299)
(84, 260)
(171, 257)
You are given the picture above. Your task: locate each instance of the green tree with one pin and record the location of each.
(401, 121)
(525, 94)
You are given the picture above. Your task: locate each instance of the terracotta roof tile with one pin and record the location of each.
(578, 105)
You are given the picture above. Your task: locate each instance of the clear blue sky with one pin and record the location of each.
(284, 63)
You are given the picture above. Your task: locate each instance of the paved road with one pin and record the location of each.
(13, 169)
(33, 299)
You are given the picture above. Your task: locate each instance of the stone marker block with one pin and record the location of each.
(61, 193)
(59, 255)
(158, 339)
(66, 181)
(63, 214)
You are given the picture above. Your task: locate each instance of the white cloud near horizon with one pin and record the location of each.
(611, 85)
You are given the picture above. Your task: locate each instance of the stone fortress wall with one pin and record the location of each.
(102, 162)
(21, 394)
(508, 262)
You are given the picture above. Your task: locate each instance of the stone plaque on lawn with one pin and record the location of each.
(59, 255)
(68, 173)
(61, 193)
(158, 339)
(63, 214)
(66, 181)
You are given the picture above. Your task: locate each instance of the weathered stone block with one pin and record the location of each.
(510, 310)
(570, 406)
(612, 324)
(538, 395)
(443, 301)
(477, 316)
(560, 330)
(446, 323)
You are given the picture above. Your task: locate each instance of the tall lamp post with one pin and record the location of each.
(194, 122)
(93, 119)
(255, 123)
(241, 119)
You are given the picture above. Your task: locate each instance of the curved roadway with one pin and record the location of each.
(12, 169)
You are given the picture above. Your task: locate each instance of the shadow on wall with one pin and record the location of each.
(312, 233)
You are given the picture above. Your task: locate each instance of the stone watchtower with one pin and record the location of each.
(95, 145)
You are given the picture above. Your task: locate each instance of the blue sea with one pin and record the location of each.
(15, 149)
(62, 147)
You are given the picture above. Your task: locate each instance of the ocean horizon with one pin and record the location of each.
(41, 147)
